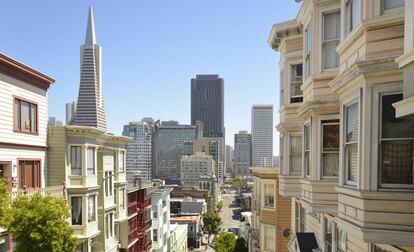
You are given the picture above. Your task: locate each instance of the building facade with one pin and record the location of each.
(70, 109)
(229, 160)
(262, 135)
(168, 141)
(207, 104)
(242, 153)
(23, 131)
(139, 150)
(195, 166)
(160, 198)
(346, 155)
(178, 238)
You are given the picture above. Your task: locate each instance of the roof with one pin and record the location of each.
(185, 218)
(22, 72)
(283, 30)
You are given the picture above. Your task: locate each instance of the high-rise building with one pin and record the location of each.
(70, 113)
(242, 153)
(195, 166)
(262, 135)
(139, 150)
(168, 142)
(53, 121)
(229, 159)
(90, 106)
(207, 104)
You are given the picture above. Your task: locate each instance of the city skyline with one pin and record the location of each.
(135, 63)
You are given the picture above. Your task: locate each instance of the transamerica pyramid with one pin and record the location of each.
(90, 107)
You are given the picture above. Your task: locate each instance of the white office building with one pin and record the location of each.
(195, 166)
(262, 135)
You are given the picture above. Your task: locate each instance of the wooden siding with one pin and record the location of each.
(283, 214)
(56, 155)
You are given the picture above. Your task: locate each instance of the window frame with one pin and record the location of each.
(94, 209)
(307, 51)
(326, 120)
(294, 134)
(306, 170)
(354, 99)
(291, 65)
(87, 160)
(348, 16)
(18, 128)
(81, 209)
(266, 228)
(300, 217)
(81, 160)
(384, 11)
(265, 195)
(324, 42)
(108, 183)
(121, 161)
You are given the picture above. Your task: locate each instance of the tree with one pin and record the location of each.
(220, 205)
(6, 213)
(241, 245)
(237, 182)
(40, 224)
(224, 242)
(211, 224)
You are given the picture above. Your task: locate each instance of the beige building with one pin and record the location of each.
(270, 212)
(346, 152)
(195, 166)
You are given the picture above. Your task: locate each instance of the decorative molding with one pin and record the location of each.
(22, 146)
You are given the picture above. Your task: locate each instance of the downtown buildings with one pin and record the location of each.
(193, 167)
(242, 153)
(70, 110)
(262, 135)
(346, 137)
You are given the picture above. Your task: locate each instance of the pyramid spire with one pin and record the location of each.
(90, 38)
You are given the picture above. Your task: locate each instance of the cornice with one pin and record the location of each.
(320, 107)
(281, 31)
(86, 131)
(327, 76)
(405, 59)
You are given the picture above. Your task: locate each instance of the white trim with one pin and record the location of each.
(294, 134)
(320, 147)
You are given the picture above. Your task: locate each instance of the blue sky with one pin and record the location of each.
(151, 50)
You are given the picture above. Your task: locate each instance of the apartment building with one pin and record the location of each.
(345, 131)
(178, 240)
(195, 166)
(23, 118)
(270, 212)
(135, 235)
(160, 198)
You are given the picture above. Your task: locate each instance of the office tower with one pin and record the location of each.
(207, 104)
(168, 142)
(195, 166)
(199, 129)
(229, 159)
(262, 135)
(53, 121)
(70, 113)
(90, 106)
(242, 153)
(139, 150)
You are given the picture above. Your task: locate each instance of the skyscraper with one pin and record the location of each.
(90, 106)
(53, 121)
(242, 153)
(207, 104)
(70, 113)
(139, 149)
(262, 135)
(168, 143)
(229, 159)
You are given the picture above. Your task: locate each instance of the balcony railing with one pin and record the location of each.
(144, 245)
(144, 204)
(57, 191)
(144, 225)
(132, 208)
(132, 236)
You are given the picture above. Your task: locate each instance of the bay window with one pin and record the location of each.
(91, 208)
(330, 148)
(76, 160)
(308, 49)
(352, 14)
(392, 4)
(351, 143)
(300, 218)
(25, 116)
(269, 195)
(307, 150)
(295, 154)
(396, 146)
(90, 166)
(331, 35)
(296, 94)
(76, 210)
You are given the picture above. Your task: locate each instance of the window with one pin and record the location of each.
(330, 148)
(108, 184)
(328, 236)
(308, 49)
(121, 161)
(396, 146)
(281, 90)
(331, 35)
(154, 213)
(300, 218)
(307, 149)
(107, 226)
(352, 14)
(281, 152)
(25, 116)
(164, 217)
(340, 240)
(91, 160)
(295, 155)
(296, 94)
(109, 229)
(76, 160)
(392, 4)
(111, 224)
(76, 211)
(122, 199)
(269, 195)
(155, 235)
(269, 238)
(351, 143)
(91, 208)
